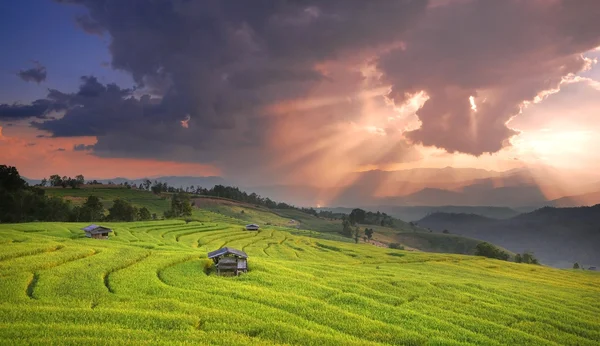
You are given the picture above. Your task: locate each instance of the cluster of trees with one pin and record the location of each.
(488, 250)
(229, 192)
(359, 216)
(56, 180)
(93, 211)
(526, 257)
(20, 202)
(180, 206)
(369, 218)
(353, 231)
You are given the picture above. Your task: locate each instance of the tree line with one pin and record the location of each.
(222, 191)
(491, 251)
(20, 202)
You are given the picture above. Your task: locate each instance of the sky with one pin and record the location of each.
(297, 92)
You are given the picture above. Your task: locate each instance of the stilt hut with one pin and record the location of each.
(229, 261)
(252, 227)
(96, 232)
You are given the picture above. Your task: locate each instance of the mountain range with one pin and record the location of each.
(557, 236)
(523, 189)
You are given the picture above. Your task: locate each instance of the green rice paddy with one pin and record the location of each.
(147, 285)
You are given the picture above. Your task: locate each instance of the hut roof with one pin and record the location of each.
(96, 229)
(227, 250)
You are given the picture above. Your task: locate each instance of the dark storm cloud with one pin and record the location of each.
(83, 147)
(216, 65)
(502, 53)
(35, 74)
(37, 109)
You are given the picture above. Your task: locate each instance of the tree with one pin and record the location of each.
(346, 228)
(518, 258)
(157, 188)
(122, 211)
(445, 231)
(180, 206)
(529, 258)
(80, 180)
(92, 210)
(144, 214)
(488, 250)
(369, 233)
(357, 216)
(22, 203)
(72, 183)
(576, 266)
(10, 180)
(356, 235)
(55, 209)
(44, 182)
(55, 180)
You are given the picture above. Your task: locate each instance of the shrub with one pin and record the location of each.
(488, 250)
(529, 258)
(397, 246)
(518, 258)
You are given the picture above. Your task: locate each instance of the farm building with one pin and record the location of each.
(592, 268)
(96, 232)
(252, 227)
(229, 261)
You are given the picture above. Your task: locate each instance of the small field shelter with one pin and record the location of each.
(252, 227)
(96, 231)
(229, 261)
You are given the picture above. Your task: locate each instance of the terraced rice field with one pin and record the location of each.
(147, 285)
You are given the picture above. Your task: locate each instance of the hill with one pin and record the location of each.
(415, 213)
(586, 199)
(557, 236)
(409, 235)
(299, 222)
(107, 194)
(147, 284)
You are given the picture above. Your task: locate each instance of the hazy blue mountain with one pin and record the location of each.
(558, 236)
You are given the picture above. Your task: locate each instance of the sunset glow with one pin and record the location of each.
(259, 111)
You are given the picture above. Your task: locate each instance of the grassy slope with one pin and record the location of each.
(147, 285)
(154, 203)
(231, 211)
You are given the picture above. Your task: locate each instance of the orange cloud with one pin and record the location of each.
(41, 157)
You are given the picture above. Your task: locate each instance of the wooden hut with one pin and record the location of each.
(96, 232)
(229, 261)
(252, 227)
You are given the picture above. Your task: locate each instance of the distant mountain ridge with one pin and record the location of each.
(415, 213)
(558, 236)
(175, 181)
(523, 188)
